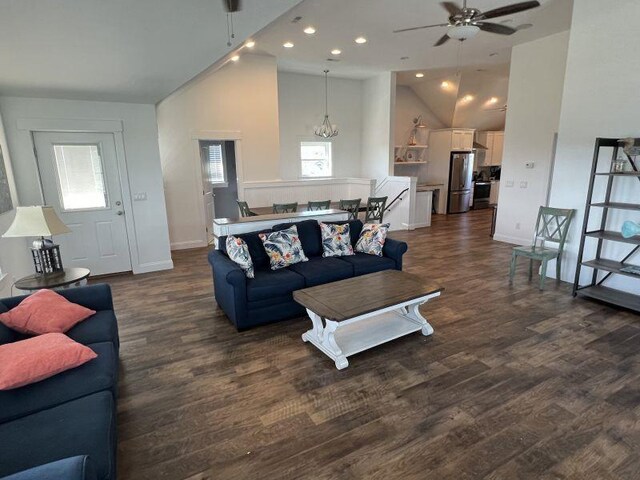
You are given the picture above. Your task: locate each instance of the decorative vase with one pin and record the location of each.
(630, 229)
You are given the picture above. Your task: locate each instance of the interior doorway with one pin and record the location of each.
(219, 181)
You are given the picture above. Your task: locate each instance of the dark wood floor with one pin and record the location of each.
(514, 384)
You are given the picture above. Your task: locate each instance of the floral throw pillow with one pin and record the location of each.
(238, 251)
(283, 247)
(372, 238)
(336, 240)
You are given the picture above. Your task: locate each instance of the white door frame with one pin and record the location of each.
(113, 127)
(213, 135)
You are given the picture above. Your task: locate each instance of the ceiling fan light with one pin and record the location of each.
(463, 32)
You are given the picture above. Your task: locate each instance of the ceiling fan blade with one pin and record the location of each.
(451, 7)
(419, 28)
(444, 39)
(509, 9)
(232, 6)
(496, 28)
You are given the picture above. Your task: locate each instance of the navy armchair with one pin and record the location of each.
(267, 298)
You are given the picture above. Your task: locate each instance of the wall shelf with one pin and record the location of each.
(409, 163)
(412, 146)
(617, 205)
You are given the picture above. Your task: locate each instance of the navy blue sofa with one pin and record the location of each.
(267, 298)
(72, 414)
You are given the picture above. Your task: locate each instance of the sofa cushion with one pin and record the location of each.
(82, 427)
(372, 238)
(363, 263)
(74, 468)
(95, 376)
(273, 283)
(355, 228)
(32, 360)
(238, 252)
(336, 240)
(319, 270)
(283, 247)
(309, 233)
(101, 327)
(45, 311)
(259, 256)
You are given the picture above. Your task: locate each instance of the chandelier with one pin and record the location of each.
(326, 130)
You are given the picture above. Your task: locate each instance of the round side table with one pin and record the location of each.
(68, 277)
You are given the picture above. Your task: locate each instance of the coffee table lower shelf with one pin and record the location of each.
(339, 340)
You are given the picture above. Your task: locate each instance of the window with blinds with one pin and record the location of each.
(213, 161)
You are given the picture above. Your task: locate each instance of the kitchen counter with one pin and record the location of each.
(428, 187)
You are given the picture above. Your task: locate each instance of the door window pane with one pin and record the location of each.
(315, 159)
(213, 162)
(80, 177)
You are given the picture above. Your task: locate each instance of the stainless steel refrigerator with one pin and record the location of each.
(460, 182)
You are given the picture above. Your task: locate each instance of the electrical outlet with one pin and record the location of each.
(509, 183)
(523, 184)
(518, 226)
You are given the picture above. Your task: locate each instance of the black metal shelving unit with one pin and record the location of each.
(596, 289)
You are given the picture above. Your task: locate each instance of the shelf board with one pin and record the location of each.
(408, 163)
(619, 174)
(613, 236)
(618, 205)
(610, 295)
(610, 266)
(412, 146)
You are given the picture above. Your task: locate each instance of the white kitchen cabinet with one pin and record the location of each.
(462, 139)
(498, 143)
(492, 156)
(495, 192)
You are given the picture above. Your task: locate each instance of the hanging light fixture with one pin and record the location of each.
(326, 130)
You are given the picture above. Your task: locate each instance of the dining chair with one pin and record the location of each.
(552, 226)
(351, 206)
(285, 207)
(375, 209)
(245, 211)
(325, 205)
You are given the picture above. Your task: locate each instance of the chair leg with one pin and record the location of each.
(512, 270)
(530, 269)
(558, 268)
(543, 274)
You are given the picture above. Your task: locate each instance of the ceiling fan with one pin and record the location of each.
(499, 109)
(465, 22)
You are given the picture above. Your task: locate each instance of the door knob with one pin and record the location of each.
(119, 212)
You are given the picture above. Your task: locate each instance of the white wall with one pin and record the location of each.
(241, 98)
(378, 134)
(14, 253)
(301, 108)
(535, 96)
(600, 99)
(407, 107)
(142, 156)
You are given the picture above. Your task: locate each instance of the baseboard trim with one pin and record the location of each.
(511, 240)
(187, 245)
(153, 267)
(413, 226)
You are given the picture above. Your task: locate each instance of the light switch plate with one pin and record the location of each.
(138, 197)
(523, 184)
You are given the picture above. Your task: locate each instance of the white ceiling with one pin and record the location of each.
(117, 50)
(339, 22)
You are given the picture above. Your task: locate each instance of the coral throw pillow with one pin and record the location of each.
(45, 312)
(29, 361)
(238, 251)
(372, 238)
(336, 240)
(283, 247)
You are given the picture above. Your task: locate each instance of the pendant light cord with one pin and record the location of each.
(326, 93)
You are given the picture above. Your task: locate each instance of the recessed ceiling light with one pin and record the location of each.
(467, 98)
(336, 51)
(250, 44)
(235, 58)
(493, 100)
(287, 45)
(309, 30)
(361, 40)
(419, 75)
(445, 84)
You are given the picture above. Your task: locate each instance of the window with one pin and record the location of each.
(80, 177)
(315, 159)
(212, 162)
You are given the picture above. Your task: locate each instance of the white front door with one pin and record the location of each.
(80, 179)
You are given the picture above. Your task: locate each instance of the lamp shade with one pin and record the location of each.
(40, 221)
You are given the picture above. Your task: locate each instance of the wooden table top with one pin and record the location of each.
(356, 296)
(53, 280)
(303, 207)
(302, 215)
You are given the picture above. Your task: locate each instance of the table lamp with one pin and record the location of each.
(40, 221)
